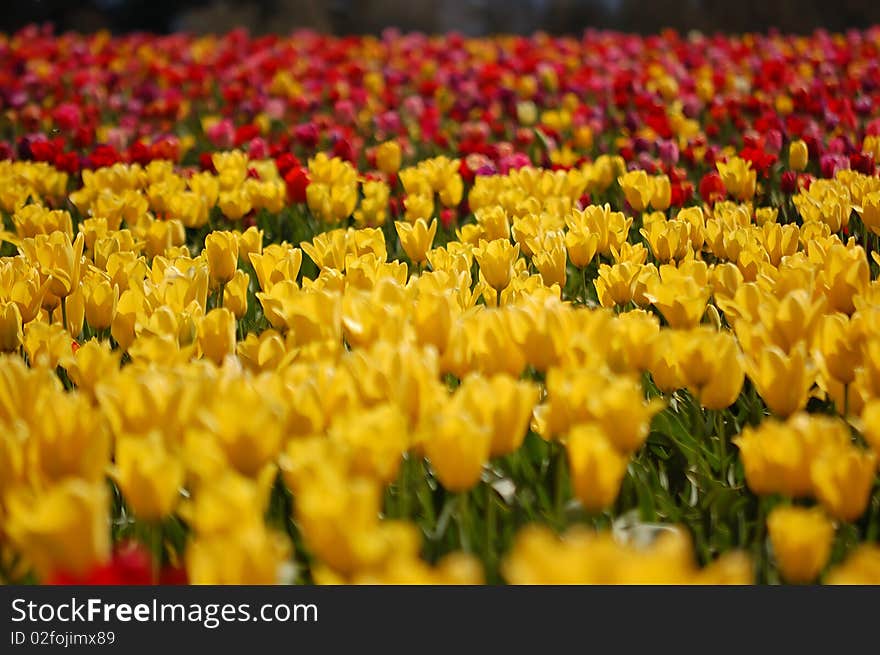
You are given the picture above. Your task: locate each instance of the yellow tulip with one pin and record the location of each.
(149, 477)
(504, 404)
(222, 254)
(35, 219)
(496, 259)
(783, 380)
(842, 479)
(62, 529)
(27, 292)
(235, 294)
(611, 228)
(739, 177)
(46, 344)
(582, 246)
(250, 242)
(798, 155)
(861, 567)
(457, 447)
(374, 440)
(101, 298)
(388, 157)
(679, 297)
(870, 211)
(713, 367)
(416, 238)
(669, 240)
(597, 468)
(495, 222)
(638, 189)
(550, 259)
(801, 540)
(216, 334)
(844, 274)
(276, 263)
(132, 306)
(662, 193)
(777, 457)
(779, 240)
(58, 258)
(249, 555)
(615, 285)
(837, 348)
(262, 352)
(93, 362)
(11, 333)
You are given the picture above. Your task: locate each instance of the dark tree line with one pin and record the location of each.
(468, 16)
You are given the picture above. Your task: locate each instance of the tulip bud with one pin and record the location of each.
(11, 334)
(416, 238)
(216, 334)
(801, 540)
(221, 248)
(842, 479)
(235, 294)
(597, 469)
(457, 447)
(100, 302)
(64, 528)
(388, 157)
(798, 155)
(496, 259)
(149, 476)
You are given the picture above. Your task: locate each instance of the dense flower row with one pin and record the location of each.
(440, 310)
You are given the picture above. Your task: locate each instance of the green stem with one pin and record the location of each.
(464, 522)
(491, 525)
(156, 551)
(584, 280)
(722, 444)
(64, 311)
(404, 490)
(559, 491)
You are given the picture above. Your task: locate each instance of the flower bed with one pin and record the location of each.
(439, 310)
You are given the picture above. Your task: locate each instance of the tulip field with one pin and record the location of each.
(421, 309)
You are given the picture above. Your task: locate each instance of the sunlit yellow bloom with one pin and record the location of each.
(416, 238)
(783, 380)
(801, 540)
(457, 446)
(777, 457)
(861, 567)
(842, 480)
(101, 298)
(235, 294)
(597, 469)
(216, 334)
(496, 259)
(550, 259)
(222, 254)
(615, 285)
(798, 156)
(58, 258)
(62, 529)
(739, 177)
(11, 334)
(638, 188)
(276, 263)
(388, 157)
(149, 477)
(679, 297)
